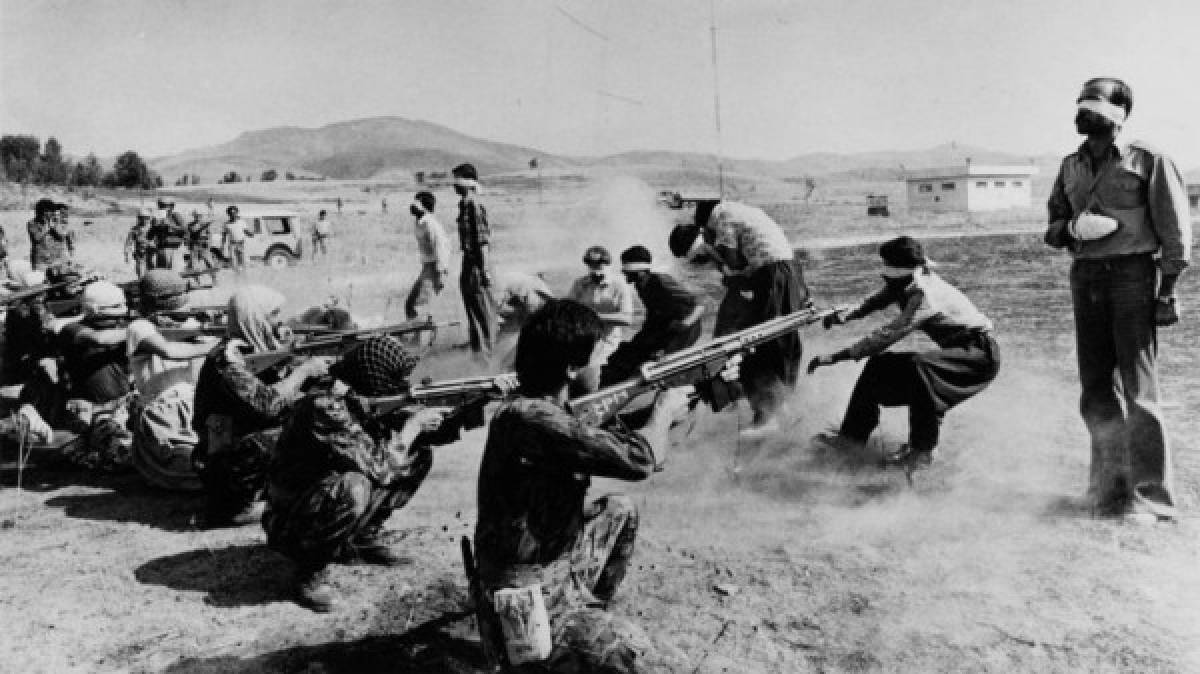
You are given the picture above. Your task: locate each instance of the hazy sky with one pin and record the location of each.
(577, 77)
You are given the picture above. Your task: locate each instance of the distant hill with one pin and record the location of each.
(352, 150)
(394, 147)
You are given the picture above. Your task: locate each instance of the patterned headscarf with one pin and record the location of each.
(251, 317)
(378, 367)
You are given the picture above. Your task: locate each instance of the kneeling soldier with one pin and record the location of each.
(928, 382)
(534, 527)
(338, 472)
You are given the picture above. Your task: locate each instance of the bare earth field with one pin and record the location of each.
(800, 561)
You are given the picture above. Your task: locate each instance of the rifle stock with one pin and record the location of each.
(699, 365)
(336, 343)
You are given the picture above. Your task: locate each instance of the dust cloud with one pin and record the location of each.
(1012, 464)
(615, 212)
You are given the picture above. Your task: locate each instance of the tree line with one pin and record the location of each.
(24, 159)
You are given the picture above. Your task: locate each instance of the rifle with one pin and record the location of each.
(699, 365)
(485, 614)
(185, 334)
(33, 291)
(336, 343)
(467, 396)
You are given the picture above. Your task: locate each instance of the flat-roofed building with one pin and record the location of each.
(970, 187)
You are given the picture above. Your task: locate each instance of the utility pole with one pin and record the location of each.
(712, 7)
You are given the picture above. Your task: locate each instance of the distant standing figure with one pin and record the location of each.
(434, 248)
(1117, 208)
(322, 230)
(136, 241)
(210, 207)
(474, 236)
(200, 245)
(50, 242)
(234, 236)
(169, 234)
(3, 254)
(339, 205)
(383, 203)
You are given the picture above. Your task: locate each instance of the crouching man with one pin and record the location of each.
(928, 382)
(338, 472)
(534, 527)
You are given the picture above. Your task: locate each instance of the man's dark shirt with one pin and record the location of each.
(97, 373)
(666, 300)
(473, 232)
(536, 469)
(168, 233)
(49, 243)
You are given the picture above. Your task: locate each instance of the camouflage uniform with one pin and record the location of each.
(332, 480)
(534, 527)
(234, 476)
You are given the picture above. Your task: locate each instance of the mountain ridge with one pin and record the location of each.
(392, 145)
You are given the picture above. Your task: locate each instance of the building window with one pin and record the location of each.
(999, 183)
(1018, 183)
(924, 187)
(981, 184)
(947, 187)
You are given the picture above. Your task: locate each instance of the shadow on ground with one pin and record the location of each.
(238, 575)
(137, 503)
(428, 648)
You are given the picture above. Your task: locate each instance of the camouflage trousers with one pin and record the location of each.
(236, 477)
(340, 509)
(587, 638)
(104, 440)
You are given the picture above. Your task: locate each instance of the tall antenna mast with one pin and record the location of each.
(712, 8)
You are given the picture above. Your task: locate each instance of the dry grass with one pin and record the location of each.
(826, 563)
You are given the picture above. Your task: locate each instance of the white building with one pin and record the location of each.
(970, 187)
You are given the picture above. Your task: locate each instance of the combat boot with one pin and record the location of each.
(368, 547)
(314, 591)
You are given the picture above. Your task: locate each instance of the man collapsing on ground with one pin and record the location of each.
(517, 295)
(672, 317)
(338, 472)
(929, 382)
(534, 525)
(755, 259)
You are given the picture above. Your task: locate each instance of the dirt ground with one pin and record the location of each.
(772, 557)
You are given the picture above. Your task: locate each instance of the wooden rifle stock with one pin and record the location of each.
(699, 365)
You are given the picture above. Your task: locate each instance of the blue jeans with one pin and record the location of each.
(1117, 347)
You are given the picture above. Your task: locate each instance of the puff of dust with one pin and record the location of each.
(616, 213)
